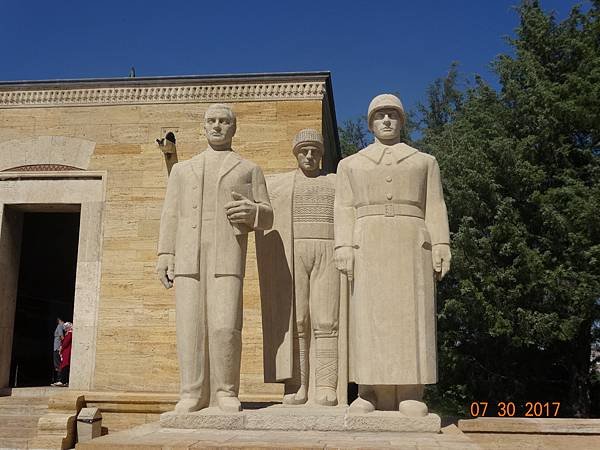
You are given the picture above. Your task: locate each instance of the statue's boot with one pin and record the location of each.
(187, 405)
(366, 401)
(326, 372)
(227, 352)
(413, 408)
(410, 396)
(229, 404)
(301, 395)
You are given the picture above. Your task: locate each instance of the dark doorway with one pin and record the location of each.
(46, 290)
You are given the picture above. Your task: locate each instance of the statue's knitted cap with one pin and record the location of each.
(385, 101)
(307, 136)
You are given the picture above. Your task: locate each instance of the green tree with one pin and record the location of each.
(353, 136)
(521, 171)
(444, 100)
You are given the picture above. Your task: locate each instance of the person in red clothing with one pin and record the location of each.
(65, 354)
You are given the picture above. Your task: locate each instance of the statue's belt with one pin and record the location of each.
(390, 210)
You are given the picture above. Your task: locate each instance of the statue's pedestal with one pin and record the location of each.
(301, 418)
(153, 436)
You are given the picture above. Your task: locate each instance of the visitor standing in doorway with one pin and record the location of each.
(59, 333)
(65, 355)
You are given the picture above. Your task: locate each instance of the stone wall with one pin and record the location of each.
(135, 337)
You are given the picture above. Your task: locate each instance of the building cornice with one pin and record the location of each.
(158, 90)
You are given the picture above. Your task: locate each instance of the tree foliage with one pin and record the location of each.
(353, 136)
(521, 174)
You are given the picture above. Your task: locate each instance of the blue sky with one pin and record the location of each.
(370, 47)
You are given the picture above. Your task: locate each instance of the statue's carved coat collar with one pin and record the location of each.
(376, 151)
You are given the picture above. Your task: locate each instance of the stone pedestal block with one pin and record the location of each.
(301, 418)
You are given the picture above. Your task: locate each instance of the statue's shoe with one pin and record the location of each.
(298, 398)
(229, 404)
(413, 408)
(326, 396)
(187, 405)
(361, 406)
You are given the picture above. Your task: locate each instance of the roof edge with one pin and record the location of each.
(178, 80)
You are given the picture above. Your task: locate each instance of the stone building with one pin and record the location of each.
(82, 181)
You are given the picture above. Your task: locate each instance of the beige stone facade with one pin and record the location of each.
(103, 133)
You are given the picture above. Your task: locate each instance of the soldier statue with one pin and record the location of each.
(392, 239)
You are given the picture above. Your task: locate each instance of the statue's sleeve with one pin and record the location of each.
(168, 218)
(264, 213)
(436, 216)
(344, 214)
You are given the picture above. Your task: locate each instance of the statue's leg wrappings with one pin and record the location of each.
(326, 371)
(324, 311)
(299, 383)
(225, 347)
(190, 298)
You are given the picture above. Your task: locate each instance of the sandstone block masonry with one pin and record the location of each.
(109, 127)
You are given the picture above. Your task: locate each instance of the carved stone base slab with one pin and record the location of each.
(392, 421)
(301, 418)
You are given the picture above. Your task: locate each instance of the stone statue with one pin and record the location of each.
(392, 239)
(213, 200)
(300, 285)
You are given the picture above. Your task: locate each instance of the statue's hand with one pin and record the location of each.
(165, 268)
(344, 261)
(441, 260)
(241, 210)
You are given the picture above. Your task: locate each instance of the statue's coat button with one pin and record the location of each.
(389, 195)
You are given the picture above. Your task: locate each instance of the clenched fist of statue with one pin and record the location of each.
(165, 268)
(441, 260)
(344, 261)
(241, 210)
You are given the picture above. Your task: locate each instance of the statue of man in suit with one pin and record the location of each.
(212, 202)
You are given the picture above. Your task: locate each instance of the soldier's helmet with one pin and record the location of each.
(385, 101)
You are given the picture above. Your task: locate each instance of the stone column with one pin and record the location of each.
(11, 227)
(87, 291)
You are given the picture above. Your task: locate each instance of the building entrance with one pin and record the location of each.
(45, 291)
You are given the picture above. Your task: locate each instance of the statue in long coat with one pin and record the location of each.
(392, 238)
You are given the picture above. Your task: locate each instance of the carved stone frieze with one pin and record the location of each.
(257, 91)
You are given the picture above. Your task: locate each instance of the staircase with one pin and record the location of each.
(20, 410)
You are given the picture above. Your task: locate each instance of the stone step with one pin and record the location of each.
(14, 443)
(29, 392)
(18, 420)
(18, 432)
(21, 410)
(26, 421)
(33, 401)
(23, 406)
